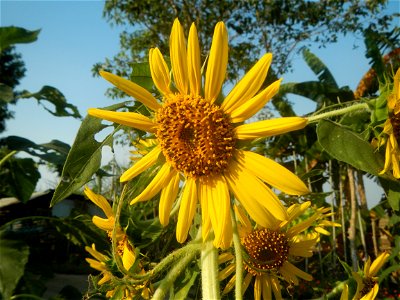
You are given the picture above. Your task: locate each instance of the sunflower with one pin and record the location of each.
(269, 252)
(125, 250)
(199, 136)
(392, 130)
(99, 263)
(367, 282)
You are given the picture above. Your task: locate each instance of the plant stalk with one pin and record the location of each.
(337, 112)
(209, 270)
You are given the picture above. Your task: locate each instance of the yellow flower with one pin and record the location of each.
(367, 283)
(99, 263)
(125, 249)
(198, 137)
(392, 130)
(269, 251)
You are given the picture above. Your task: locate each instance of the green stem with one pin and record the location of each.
(337, 112)
(3, 160)
(25, 296)
(117, 258)
(176, 270)
(209, 270)
(238, 259)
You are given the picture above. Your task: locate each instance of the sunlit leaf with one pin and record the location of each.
(347, 146)
(16, 35)
(392, 189)
(13, 257)
(84, 158)
(6, 93)
(141, 75)
(52, 95)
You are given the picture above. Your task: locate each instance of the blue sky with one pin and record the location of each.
(74, 36)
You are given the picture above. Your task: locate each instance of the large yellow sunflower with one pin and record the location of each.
(198, 137)
(270, 252)
(392, 130)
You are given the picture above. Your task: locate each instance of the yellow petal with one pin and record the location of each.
(159, 71)
(378, 263)
(99, 266)
(106, 277)
(130, 119)
(272, 173)
(104, 224)
(177, 46)
(224, 257)
(322, 230)
(259, 201)
(205, 216)
(143, 164)
(100, 201)
(257, 288)
(194, 61)
(167, 198)
(249, 85)
(187, 210)
(217, 62)
(159, 181)
(270, 127)
(230, 285)
(96, 254)
(253, 105)
(266, 287)
(243, 219)
(132, 89)
(226, 272)
(345, 292)
(246, 282)
(217, 194)
(372, 293)
(297, 272)
(128, 257)
(276, 288)
(303, 248)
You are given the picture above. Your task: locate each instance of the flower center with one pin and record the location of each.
(267, 250)
(369, 284)
(395, 120)
(195, 136)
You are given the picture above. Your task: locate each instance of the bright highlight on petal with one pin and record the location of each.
(100, 201)
(177, 46)
(167, 198)
(132, 89)
(159, 71)
(271, 127)
(131, 119)
(186, 210)
(146, 162)
(194, 61)
(272, 173)
(248, 86)
(217, 63)
(252, 106)
(159, 181)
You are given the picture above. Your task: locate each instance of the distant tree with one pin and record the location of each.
(12, 70)
(281, 27)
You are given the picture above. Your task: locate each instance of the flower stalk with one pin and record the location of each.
(337, 112)
(238, 260)
(209, 271)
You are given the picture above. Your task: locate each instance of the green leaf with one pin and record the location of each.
(186, 284)
(14, 255)
(141, 75)
(6, 93)
(321, 93)
(52, 95)
(349, 147)
(392, 189)
(319, 68)
(16, 35)
(54, 152)
(18, 178)
(84, 158)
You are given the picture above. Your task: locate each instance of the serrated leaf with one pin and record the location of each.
(14, 255)
(84, 158)
(11, 35)
(52, 95)
(319, 68)
(349, 147)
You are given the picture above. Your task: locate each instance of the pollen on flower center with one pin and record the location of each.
(395, 121)
(267, 250)
(369, 283)
(195, 136)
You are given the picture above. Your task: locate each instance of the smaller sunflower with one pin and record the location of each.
(99, 263)
(269, 252)
(391, 130)
(125, 250)
(367, 281)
